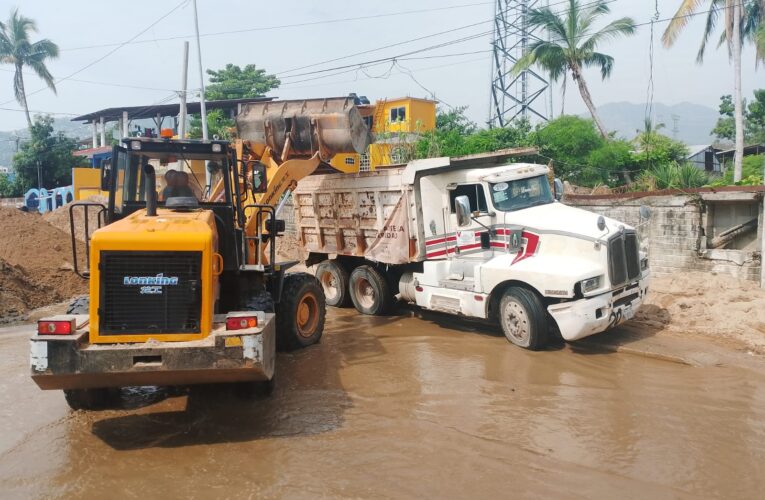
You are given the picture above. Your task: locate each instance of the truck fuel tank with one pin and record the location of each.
(301, 128)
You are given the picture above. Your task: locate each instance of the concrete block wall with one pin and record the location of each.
(674, 234)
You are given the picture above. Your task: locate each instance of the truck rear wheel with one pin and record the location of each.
(300, 313)
(523, 318)
(334, 280)
(370, 292)
(91, 399)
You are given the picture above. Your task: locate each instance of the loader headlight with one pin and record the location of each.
(135, 144)
(216, 148)
(590, 284)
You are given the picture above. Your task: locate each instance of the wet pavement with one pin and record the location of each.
(402, 406)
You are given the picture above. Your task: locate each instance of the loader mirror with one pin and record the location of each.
(462, 209)
(276, 226)
(558, 187)
(106, 175)
(259, 178)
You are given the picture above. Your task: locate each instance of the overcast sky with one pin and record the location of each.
(83, 28)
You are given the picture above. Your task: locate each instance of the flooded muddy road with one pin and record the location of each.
(402, 407)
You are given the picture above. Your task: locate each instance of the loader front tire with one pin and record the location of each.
(80, 305)
(300, 313)
(91, 399)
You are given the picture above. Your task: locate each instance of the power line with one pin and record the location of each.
(98, 60)
(284, 26)
(106, 84)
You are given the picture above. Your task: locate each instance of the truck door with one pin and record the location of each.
(474, 241)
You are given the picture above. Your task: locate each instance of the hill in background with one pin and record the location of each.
(694, 121)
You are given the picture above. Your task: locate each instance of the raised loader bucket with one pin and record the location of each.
(301, 128)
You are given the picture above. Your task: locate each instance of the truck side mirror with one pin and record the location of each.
(558, 187)
(462, 209)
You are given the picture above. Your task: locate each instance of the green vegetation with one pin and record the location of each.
(17, 49)
(754, 119)
(573, 45)
(751, 176)
(10, 189)
(231, 82)
(50, 153)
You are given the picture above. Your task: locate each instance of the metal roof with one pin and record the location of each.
(139, 112)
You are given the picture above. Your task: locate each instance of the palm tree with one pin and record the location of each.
(742, 22)
(17, 49)
(573, 45)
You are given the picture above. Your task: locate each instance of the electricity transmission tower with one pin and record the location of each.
(513, 96)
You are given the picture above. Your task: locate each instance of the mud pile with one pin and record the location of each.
(35, 264)
(59, 218)
(709, 304)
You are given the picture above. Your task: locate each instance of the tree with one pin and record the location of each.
(755, 118)
(233, 82)
(742, 22)
(573, 45)
(50, 153)
(726, 125)
(569, 141)
(17, 49)
(9, 188)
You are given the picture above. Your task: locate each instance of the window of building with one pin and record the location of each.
(475, 194)
(364, 163)
(398, 114)
(350, 160)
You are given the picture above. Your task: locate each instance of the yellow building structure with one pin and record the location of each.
(396, 124)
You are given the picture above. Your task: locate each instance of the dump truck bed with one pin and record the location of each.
(369, 214)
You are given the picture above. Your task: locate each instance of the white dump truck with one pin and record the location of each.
(473, 236)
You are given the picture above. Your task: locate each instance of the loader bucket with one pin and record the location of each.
(301, 128)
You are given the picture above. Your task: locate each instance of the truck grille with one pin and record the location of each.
(150, 292)
(623, 258)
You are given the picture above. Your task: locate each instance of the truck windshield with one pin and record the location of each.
(522, 193)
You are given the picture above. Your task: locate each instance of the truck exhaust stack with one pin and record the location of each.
(301, 128)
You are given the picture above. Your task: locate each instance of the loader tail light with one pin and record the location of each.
(241, 322)
(55, 327)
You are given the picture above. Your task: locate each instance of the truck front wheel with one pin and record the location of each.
(334, 280)
(369, 291)
(300, 312)
(523, 318)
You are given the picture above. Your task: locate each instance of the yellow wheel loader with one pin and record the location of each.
(185, 288)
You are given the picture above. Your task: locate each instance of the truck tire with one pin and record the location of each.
(334, 280)
(523, 318)
(80, 305)
(91, 399)
(300, 313)
(369, 291)
(255, 390)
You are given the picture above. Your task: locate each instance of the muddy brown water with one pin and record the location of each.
(402, 406)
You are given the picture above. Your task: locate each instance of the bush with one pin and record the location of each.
(751, 172)
(569, 141)
(671, 176)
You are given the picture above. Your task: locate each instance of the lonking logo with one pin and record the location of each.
(158, 280)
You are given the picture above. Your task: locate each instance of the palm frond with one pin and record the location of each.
(603, 61)
(709, 27)
(679, 21)
(548, 20)
(589, 16)
(44, 48)
(614, 29)
(37, 63)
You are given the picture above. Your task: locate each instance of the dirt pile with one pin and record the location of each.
(35, 264)
(59, 218)
(709, 304)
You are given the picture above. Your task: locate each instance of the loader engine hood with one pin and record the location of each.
(154, 277)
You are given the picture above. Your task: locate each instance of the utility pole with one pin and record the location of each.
(39, 175)
(202, 107)
(184, 84)
(513, 95)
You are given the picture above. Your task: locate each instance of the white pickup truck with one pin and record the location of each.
(471, 236)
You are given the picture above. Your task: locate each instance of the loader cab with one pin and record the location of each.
(181, 170)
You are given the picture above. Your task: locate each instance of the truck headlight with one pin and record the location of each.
(590, 284)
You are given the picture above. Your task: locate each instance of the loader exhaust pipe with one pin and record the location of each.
(302, 128)
(151, 190)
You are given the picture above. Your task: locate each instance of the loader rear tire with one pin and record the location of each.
(80, 305)
(369, 291)
(91, 399)
(300, 313)
(334, 280)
